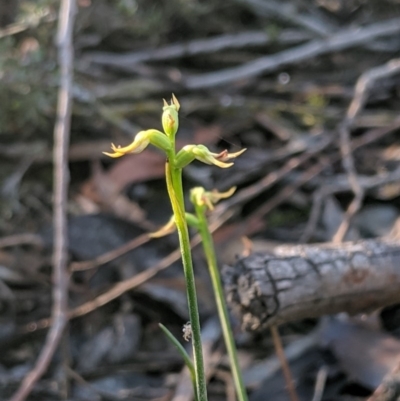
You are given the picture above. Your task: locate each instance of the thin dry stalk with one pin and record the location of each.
(284, 363)
(111, 255)
(388, 390)
(120, 288)
(320, 383)
(61, 174)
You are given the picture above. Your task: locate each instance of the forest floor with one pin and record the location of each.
(311, 89)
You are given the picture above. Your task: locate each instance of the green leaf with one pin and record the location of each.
(183, 353)
(181, 350)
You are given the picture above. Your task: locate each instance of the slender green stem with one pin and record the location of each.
(209, 251)
(175, 191)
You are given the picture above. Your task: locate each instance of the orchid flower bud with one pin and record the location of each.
(200, 197)
(200, 152)
(170, 118)
(141, 141)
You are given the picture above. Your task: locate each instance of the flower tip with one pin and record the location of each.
(222, 164)
(238, 153)
(156, 234)
(165, 103)
(228, 193)
(167, 229)
(175, 102)
(113, 155)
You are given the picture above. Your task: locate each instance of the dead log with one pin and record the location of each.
(308, 281)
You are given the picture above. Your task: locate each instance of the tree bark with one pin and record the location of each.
(308, 281)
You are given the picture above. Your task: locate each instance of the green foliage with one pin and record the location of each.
(28, 74)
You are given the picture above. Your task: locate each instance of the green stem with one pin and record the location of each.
(175, 191)
(208, 245)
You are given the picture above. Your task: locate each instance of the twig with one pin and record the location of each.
(363, 85)
(284, 364)
(111, 255)
(320, 383)
(267, 368)
(21, 239)
(358, 190)
(18, 27)
(340, 186)
(195, 47)
(61, 141)
(229, 386)
(388, 390)
(272, 178)
(120, 288)
(40, 152)
(287, 12)
(137, 280)
(340, 41)
(255, 222)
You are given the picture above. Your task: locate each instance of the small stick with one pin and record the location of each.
(21, 239)
(320, 383)
(284, 363)
(388, 390)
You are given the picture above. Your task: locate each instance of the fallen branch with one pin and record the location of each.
(308, 281)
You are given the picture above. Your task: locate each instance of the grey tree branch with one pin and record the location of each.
(61, 179)
(306, 281)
